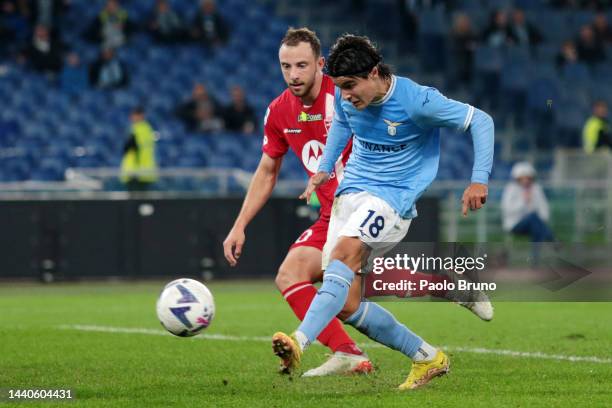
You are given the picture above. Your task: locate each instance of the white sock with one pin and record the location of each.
(425, 352)
(302, 340)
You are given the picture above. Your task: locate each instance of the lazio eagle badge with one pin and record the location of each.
(392, 127)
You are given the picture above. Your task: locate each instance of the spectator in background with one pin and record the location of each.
(166, 26)
(43, 54)
(525, 208)
(14, 16)
(590, 51)
(206, 121)
(498, 33)
(138, 166)
(603, 33)
(74, 76)
(7, 37)
(596, 132)
(239, 116)
(523, 32)
(567, 55)
(111, 27)
(463, 42)
(209, 28)
(48, 13)
(187, 111)
(108, 72)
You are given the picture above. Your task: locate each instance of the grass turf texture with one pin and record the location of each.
(129, 370)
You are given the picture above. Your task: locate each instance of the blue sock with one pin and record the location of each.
(380, 325)
(329, 301)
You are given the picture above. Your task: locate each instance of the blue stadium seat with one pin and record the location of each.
(553, 24)
(49, 169)
(569, 122)
(576, 72)
(190, 161)
(433, 22)
(221, 162)
(15, 169)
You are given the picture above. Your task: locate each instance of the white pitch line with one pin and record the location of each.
(205, 336)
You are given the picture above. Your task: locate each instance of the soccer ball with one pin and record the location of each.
(185, 307)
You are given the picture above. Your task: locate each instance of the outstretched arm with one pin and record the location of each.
(435, 110)
(259, 192)
(483, 131)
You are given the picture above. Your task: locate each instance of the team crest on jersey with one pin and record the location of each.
(307, 117)
(392, 127)
(311, 155)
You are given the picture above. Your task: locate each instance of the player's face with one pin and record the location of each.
(300, 67)
(358, 91)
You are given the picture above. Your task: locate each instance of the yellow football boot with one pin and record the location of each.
(423, 371)
(287, 349)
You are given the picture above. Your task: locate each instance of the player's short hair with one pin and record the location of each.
(294, 36)
(599, 102)
(138, 110)
(354, 55)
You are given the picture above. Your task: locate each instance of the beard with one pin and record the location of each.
(306, 88)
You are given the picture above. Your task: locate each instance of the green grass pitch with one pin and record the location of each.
(40, 348)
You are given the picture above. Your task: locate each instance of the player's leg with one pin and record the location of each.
(334, 291)
(372, 319)
(346, 251)
(381, 326)
(334, 287)
(347, 258)
(301, 267)
(299, 270)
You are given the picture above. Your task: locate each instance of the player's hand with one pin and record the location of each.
(474, 197)
(232, 246)
(314, 183)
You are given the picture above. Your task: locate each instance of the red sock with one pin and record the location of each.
(299, 297)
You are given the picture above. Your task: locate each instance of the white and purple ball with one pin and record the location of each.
(185, 307)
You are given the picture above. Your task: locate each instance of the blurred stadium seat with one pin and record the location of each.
(511, 82)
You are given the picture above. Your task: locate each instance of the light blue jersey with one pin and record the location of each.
(396, 146)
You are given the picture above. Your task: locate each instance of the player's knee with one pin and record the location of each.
(349, 259)
(349, 251)
(284, 278)
(296, 269)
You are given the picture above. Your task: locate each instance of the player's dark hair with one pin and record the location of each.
(294, 36)
(138, 110)
(598, 102)
(354, 55)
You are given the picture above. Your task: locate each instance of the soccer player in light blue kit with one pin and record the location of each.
(396, 149)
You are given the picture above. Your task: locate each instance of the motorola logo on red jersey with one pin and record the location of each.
(312, 152)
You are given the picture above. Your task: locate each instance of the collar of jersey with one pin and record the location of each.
(388, 94)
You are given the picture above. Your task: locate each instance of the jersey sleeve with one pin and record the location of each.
(337, 137)
(274, 142)
(432, 109)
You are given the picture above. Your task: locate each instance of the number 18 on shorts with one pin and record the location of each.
(367, 217)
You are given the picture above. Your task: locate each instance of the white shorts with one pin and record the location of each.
(368, 217)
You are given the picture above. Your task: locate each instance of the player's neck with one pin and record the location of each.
(308, 99)
(382, 87)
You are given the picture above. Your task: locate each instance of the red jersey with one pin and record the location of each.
(288, 123)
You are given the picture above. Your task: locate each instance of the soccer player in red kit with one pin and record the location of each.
(299, 119)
